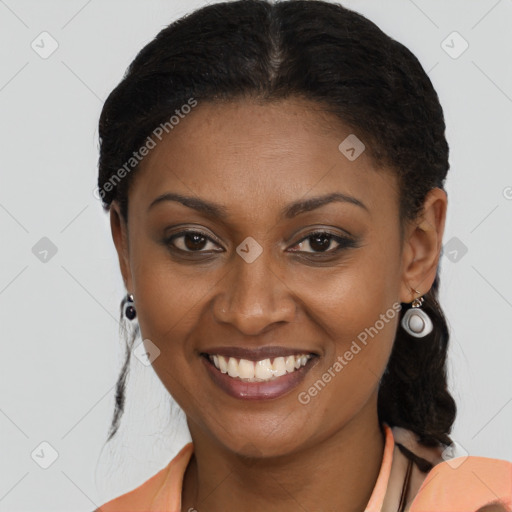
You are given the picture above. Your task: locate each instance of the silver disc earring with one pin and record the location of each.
(128, 307)
(415, 321)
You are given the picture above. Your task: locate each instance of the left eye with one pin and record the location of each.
(320, 241)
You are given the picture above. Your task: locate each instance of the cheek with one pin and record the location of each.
(169, 306)
(167, 315)
(362, 336)
(351, 298)
(163, 289)
(357, 307)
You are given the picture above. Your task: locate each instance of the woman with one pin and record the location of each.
(275, 180)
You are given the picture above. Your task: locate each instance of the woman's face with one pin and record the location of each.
(249, 284)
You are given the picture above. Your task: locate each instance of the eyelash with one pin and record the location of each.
(344, 242)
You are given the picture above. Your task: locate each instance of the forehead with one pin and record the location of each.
(254, 155)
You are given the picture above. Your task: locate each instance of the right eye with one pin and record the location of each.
(190, 241)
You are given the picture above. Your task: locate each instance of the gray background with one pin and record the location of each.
(61, 351)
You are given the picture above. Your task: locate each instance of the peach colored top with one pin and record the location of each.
(462, 484)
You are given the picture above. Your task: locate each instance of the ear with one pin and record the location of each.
(422, 246)
(119, 231)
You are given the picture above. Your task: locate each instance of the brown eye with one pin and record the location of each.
(321, 241)
(190, 241)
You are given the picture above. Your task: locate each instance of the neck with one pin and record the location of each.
(338, 473)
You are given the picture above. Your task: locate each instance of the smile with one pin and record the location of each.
(259, 371)
(261, 374)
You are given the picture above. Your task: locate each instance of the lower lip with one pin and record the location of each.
(257, 390)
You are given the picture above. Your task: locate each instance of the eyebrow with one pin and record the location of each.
(290, 211)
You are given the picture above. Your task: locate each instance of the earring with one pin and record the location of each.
(128, 307)
(415, 321)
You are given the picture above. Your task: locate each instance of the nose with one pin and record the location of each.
(253, 296)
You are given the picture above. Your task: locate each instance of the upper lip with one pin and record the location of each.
(255, 354)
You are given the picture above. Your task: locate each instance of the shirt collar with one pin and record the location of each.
(169, 495)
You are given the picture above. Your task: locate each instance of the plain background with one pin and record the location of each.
(61, 351)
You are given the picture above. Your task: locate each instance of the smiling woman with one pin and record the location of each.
(279, 241)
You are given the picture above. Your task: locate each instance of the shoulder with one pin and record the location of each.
(137, 499)
(458, 484)
(162, 487)
(465, 484)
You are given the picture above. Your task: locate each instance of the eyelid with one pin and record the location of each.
(326, 231)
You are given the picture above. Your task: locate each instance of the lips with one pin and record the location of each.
(262, 373)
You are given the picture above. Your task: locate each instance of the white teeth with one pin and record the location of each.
(279, 366)
(223, 364)
(232, 367)
(290, 364)
(263, 369)
(258, 371)
(246, 369)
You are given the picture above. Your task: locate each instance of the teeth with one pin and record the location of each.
(263, 369)
(258, 371)
(279, 366)
(245, 369)
(290, 364)
(233, 367)
(222, 364)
